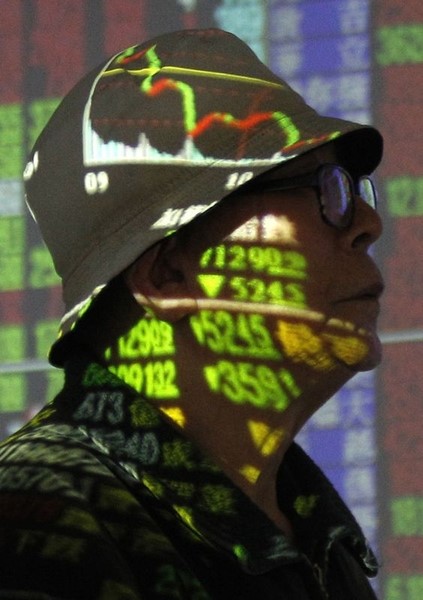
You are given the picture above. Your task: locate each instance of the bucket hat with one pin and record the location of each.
(155, 136)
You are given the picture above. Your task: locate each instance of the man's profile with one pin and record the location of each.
(212, 233)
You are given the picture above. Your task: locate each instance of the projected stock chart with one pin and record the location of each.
(184, 134)
(353, 59)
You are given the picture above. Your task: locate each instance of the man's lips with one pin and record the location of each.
(370, 292)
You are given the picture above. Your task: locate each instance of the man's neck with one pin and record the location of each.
(247, 442)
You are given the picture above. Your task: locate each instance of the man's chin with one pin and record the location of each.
(335, 343)
(371, 359)
(356, 348)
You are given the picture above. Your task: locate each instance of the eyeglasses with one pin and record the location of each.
(336, 191)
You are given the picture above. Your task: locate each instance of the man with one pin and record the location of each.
(212, 232)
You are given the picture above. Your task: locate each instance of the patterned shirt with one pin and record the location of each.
(101, 498)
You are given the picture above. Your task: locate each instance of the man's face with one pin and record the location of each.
(257, 302)
(270, 256)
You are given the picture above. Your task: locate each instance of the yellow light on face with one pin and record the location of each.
(350, 349)
(266, 440)
(302, 345)
(175, 414)
(250, 473)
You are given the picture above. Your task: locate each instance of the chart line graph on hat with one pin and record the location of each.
(117, 150)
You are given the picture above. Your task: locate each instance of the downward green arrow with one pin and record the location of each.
(211, 284)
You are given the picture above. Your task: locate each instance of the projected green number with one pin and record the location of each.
(147, 338)
(243, 382)
(155, 379)
(266, 260)
(236, 335)
(256, 290)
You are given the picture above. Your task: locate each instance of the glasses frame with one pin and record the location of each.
(363, 186)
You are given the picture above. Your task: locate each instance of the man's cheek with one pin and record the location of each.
(322, 349)
(254, 274)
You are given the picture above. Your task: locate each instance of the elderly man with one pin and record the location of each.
(213, 233)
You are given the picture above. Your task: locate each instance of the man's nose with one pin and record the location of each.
(366, 226)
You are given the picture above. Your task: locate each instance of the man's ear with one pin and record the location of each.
(158, 282)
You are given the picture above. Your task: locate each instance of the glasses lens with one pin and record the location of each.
(367, 191)
(336, 196)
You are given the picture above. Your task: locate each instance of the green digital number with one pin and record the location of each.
(237, 258)
(236, 335)
(256, 290)
(160, 380)
(289, 264)
(247, 383)
(155, 379)
(214, 257)
(258, 257)
(147, 338)
(268, 260)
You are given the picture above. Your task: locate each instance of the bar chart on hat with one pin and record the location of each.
(360, 60)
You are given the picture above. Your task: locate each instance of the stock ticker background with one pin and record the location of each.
(357, 59)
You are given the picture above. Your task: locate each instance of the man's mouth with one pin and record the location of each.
(370, 292)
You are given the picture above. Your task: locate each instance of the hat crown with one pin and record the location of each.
(155, 136)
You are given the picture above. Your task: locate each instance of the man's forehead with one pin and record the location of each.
(229, 214)
(307, 163)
